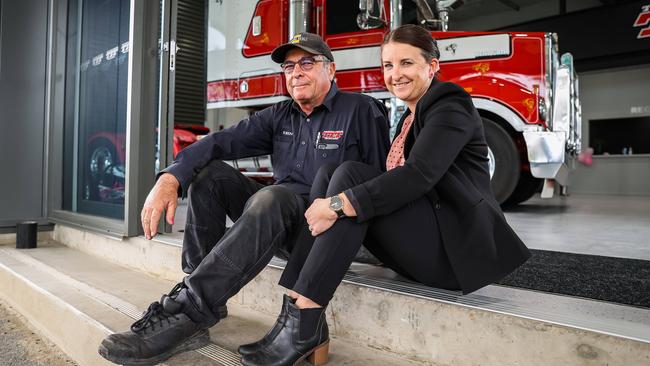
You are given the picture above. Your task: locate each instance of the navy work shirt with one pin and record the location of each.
(347, 126)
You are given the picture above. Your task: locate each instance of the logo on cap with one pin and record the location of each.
(297, 38)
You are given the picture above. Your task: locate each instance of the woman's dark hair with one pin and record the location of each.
(415, 36)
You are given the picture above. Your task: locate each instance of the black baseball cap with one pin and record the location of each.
(312, 43)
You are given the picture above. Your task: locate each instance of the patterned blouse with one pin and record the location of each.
(396, 154)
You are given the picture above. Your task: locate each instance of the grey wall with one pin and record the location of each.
(614, 175)
(610, 94)
(23, 35)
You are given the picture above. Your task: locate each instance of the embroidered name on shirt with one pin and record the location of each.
(287, 133)
(331, 135)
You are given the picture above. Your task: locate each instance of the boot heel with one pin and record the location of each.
(320, 355)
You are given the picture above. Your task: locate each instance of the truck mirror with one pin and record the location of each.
(366, 19)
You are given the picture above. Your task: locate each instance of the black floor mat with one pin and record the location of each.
(619, 280)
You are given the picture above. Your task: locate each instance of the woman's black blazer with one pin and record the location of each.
(446, 161)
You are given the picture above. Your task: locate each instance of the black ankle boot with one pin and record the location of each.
(162, 332)
(304, 336)
(247, 349)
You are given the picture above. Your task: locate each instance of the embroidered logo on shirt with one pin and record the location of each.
(331, 135)
(287, 133)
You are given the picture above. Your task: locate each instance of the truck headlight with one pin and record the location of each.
(542, 108)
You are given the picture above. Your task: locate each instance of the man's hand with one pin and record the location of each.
(163, 196)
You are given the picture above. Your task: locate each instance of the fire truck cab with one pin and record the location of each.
(524, 90)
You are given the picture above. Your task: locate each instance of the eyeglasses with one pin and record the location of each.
(306, 63)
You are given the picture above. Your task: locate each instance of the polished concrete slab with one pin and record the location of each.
(614, 226)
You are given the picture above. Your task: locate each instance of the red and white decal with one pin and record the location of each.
(331, 135)
(474, 47)
(642, 20)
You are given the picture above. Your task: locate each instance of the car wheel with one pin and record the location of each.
(102, 156)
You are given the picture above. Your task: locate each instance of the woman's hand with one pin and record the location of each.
(320, 217)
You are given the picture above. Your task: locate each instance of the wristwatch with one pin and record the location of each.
(336, 204)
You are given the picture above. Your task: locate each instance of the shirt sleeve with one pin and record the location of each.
(250, 137)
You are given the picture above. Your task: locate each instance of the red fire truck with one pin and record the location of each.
(524, 90)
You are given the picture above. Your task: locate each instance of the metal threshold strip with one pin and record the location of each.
(625, 321)
(211, 351)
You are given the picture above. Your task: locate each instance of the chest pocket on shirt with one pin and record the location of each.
(282, 139)
(331, 151)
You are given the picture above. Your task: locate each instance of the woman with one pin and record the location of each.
(431, 216)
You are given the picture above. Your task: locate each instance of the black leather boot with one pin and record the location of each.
(304, 336)
(247, 349)
(162, 332)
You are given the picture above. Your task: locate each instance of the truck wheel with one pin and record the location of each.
(504, 160)
(526, 188)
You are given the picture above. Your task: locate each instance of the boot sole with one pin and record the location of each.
(198, 340)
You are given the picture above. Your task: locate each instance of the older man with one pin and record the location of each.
(319, 126)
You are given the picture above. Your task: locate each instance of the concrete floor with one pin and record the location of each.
(614, 226)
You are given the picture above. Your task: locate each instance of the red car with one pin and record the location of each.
(104, 170)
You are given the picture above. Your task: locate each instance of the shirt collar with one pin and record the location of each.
(328, 102)
(329, 98)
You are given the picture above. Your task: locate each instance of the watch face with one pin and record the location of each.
(336, 203)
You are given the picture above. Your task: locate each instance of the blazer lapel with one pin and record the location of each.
(416, 126)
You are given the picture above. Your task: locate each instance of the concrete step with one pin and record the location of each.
(76, 299)
(376, 309)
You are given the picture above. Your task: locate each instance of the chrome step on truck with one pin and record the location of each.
(78, 286)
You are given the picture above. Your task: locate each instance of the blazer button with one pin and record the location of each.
(437, 206)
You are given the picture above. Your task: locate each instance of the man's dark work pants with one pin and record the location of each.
(267, 219)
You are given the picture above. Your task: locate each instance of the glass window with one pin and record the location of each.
(95, 107)
(620, 136)
(342, 15)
